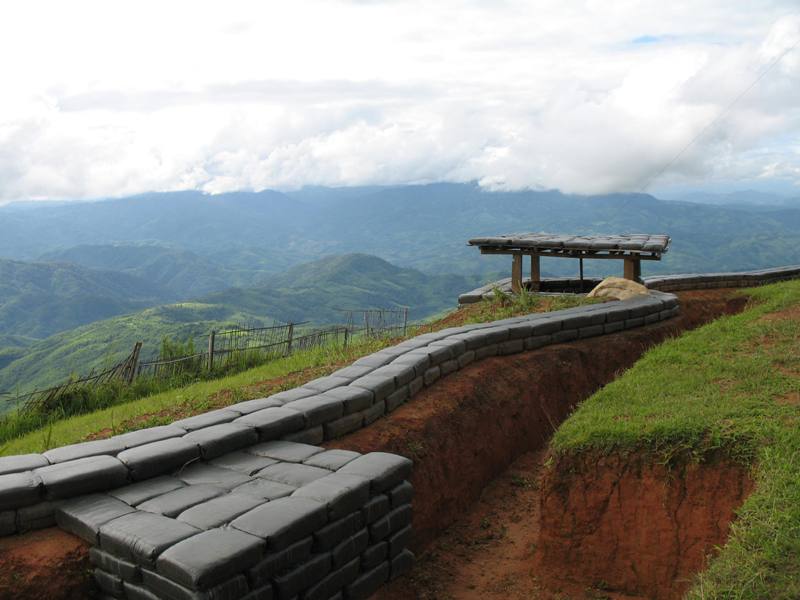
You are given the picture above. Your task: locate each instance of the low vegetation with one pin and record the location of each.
(114, 409)
(731, 388)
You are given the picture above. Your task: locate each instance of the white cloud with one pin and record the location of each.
(104, 99)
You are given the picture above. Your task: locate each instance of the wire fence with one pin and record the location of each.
(227, 351)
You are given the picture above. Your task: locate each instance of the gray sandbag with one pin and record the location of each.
(21, 462)
(382, 469)
(243, 462)
(232, 589)
(323, 384)
(261, 593)
(317, 410)
(110, 584)
(83, 516)
(345, 425)
(400, 517)
(375, 555)
(19, 489)
(355, 399)
(175, 502)
(210, 558)
(139, 492)
(290, 584)
(110, 446)
(341, 493)
(141, 536)
(219, 511)
(292, 395)
(333, 582)
(111, 564)
(285, 451)
(138, 592)
(8, 522)
(149, 435)
(294, 474)
(377, 507)
(217, 440)
(418, 362)
(251, 406)
(401, 494)
(327, 537)
(283, 522)
(207, 419)
(36, 516)
(312, 436)
(350, 549)
(368, 583)
(332, 459)
(82, 476)
(402, 374)
(352, 372)
(279, 562)
(398, 541)
(264, 489)
(272, 423)
(203, 473)
(157, 458)
(380, 385)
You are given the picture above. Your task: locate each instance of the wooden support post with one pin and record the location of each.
(134, 366)
(289, 339)
(633, 269)
(211, 338)
(516, 274)
(536, 273)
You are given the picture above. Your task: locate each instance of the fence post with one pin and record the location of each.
(289, 339)
(211, 350)
(134, 362)
(346, 333)
(405, 321)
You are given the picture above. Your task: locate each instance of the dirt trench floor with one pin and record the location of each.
(472, 437)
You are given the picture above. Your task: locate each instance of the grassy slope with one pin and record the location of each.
(732, 386)
(253, 383)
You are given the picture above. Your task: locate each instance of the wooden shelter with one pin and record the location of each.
(632, 249)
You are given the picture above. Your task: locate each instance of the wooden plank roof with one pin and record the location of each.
(588, 246)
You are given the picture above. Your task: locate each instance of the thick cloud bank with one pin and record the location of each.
(107, 99)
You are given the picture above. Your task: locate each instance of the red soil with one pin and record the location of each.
(44, 565)
(624, 523)
(461, 434)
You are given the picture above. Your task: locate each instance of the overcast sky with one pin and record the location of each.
(109, 98)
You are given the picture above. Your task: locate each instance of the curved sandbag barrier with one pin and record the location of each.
(664, 283)
(240, 502)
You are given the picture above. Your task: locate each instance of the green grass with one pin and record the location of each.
(167, 405)
(729, 388)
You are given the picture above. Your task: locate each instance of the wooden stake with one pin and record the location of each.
(211, 338)
(536, 273)
(516, 274)
(633, 269)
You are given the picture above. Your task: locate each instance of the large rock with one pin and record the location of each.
(618, 288)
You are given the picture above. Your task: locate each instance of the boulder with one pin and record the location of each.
(617, 288)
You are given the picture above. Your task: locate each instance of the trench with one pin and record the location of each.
(466, 432)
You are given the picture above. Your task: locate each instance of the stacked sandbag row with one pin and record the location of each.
(280, 520)
(558, 285)
(322, 409)
(703, 281)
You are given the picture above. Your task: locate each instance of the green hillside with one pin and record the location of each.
(40, 299)
(309, 292)
(184, 273)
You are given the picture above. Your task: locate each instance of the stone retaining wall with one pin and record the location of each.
(189, 510)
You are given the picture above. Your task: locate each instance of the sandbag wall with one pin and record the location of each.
(702, 281)
(280, 520)
(325, 408)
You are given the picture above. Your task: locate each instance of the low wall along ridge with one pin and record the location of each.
(240, 502)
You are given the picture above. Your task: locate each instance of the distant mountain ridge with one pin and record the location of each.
(423, 226)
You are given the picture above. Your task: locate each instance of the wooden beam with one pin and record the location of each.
(536, 273)
(569, 254)
(633, 269)
(516, 273)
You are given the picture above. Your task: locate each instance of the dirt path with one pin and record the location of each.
(489, 553)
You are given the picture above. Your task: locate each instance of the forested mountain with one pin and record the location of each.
(39, 299)
(310, 292)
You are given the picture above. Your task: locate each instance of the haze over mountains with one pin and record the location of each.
(81, 281)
